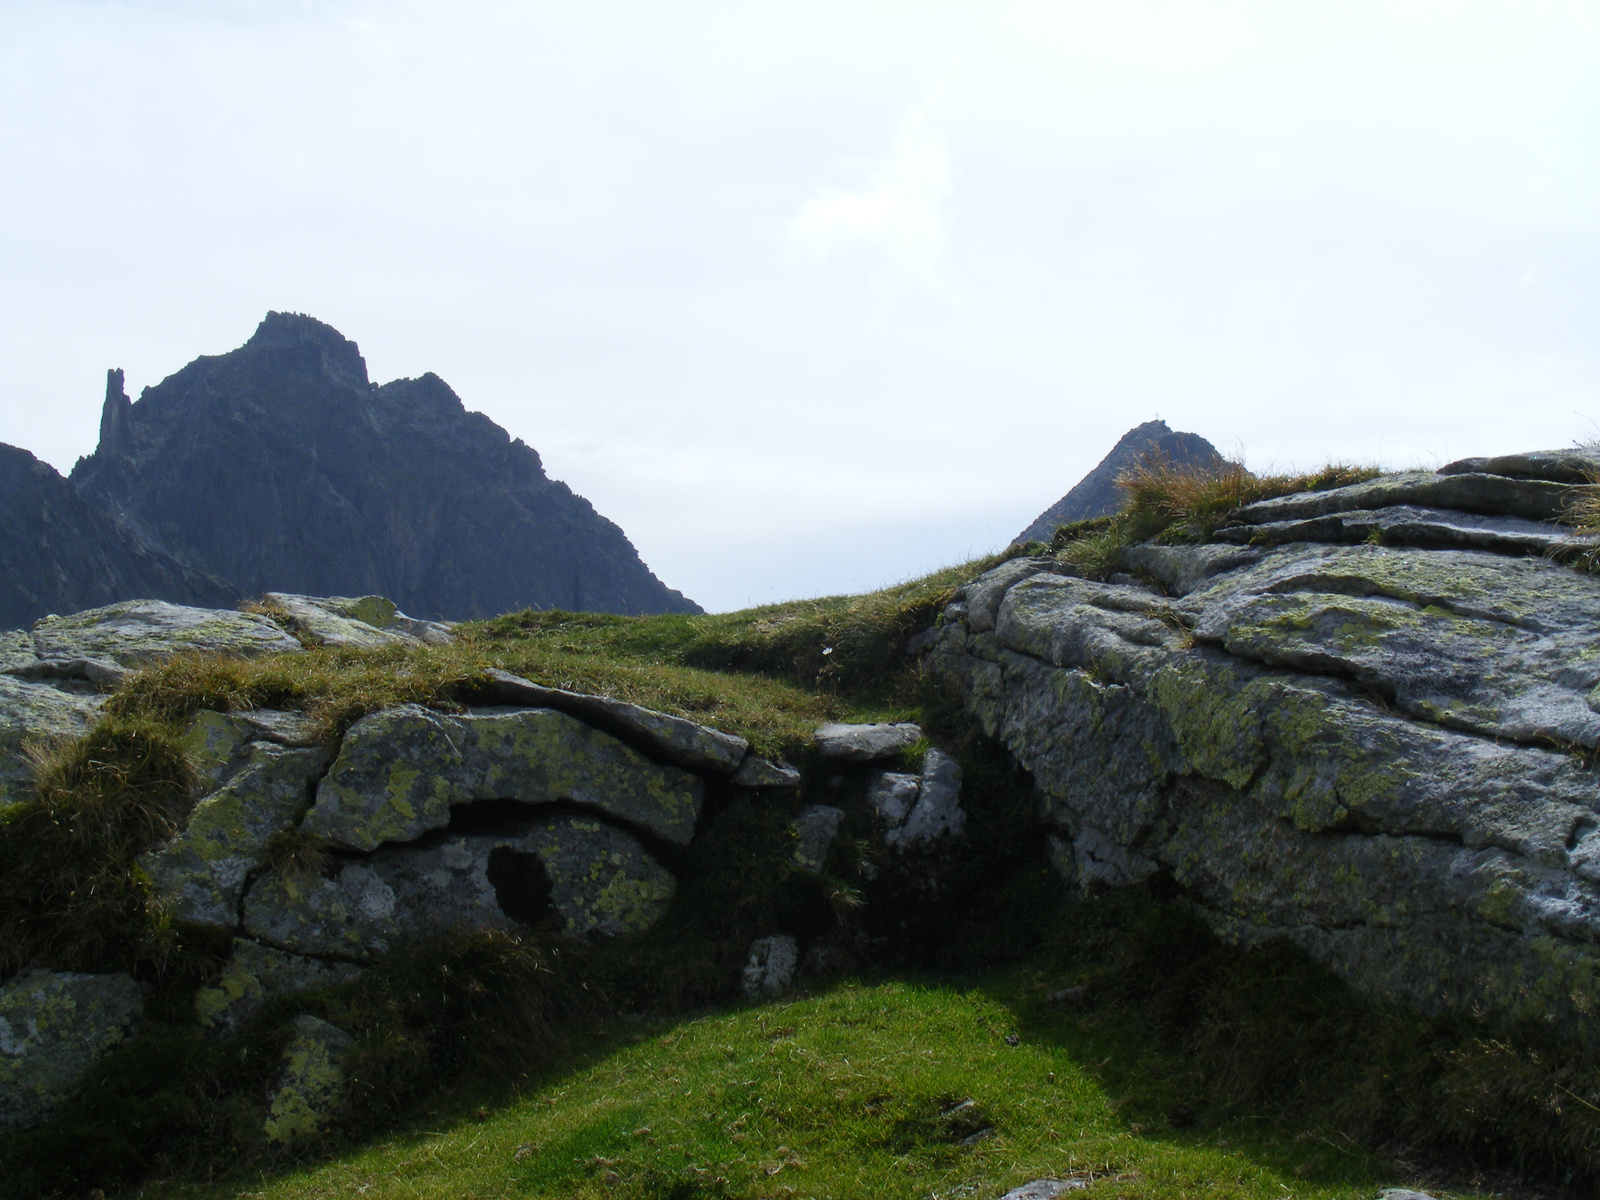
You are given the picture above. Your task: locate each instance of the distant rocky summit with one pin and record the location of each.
(280, 467)
(1097, 495)
(1363, 720)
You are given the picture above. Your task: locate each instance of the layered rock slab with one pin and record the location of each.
(400, 772)
(1344, 746)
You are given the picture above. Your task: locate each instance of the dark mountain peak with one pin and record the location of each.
(1097, 494)
(279, 467)
(306, 341)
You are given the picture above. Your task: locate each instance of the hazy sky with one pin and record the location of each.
(813, 297)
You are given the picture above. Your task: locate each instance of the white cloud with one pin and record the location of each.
(899, 214)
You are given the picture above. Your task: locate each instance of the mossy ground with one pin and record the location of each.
(1183, 1068)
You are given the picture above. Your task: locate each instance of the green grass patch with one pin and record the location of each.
(897, 1089)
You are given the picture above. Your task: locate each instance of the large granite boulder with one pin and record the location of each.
(597, 878)
(399, 773)
(136, 633)
(363, 621)
(53, 1029)
(1371, 750)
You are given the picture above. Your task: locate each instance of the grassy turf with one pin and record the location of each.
(845, 1094)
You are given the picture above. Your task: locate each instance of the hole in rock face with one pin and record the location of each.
(521, 886)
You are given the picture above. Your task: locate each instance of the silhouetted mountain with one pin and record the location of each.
(59, 553)
(1097, 495)
(279, 467)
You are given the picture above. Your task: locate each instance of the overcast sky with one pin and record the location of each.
(813, 297)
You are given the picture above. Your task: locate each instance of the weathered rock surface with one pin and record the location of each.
(771, 966)
(892, 795)
(865, 743)
(135, 633)
(756, 772)
(1361, 748)
(219, 745)
(279, 466)
(53, 1029)
(937, 814)
(354, 621)
(1407, 525)
(203, 870)
(1044, 1189)
(255, 974)
(399, 773)
(680, 741)
(312, 1088)
(599, 880)
(814, 829)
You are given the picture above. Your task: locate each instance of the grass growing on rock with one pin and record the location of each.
(1181, 503)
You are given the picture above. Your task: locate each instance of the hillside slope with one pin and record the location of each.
(60, 553)
(280, 467)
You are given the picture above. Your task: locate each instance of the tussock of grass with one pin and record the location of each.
(1181, 503)
(72, 895)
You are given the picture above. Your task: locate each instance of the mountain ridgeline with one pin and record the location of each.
(280, 467)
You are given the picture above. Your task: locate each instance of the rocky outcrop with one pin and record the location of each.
(400, 773)
(280, 467)
(1097, 494)
(53, 1029)
(61, 552)
(1380, 752)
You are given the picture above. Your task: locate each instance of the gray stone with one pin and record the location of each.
(1357, 749)
(984, 596)
(399, 772)
(602, 883)
(255, 974)
(312, 1088)
(865, 743)
(35, 712)
(1408, 525)
(815, 828)
(53, 1029)
(1181, 569)
(1044, 1189)
(892, 796)
(1402, 1194)
(202, 871)
(756, 772)
(218, 745)
(364, 621)
(1558, 466)
(136, 633)
(770, 968)
(675, 739)
(101, 672)
(938, 814)
(1494, 495)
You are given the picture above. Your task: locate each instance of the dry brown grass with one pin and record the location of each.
(1182, 503)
